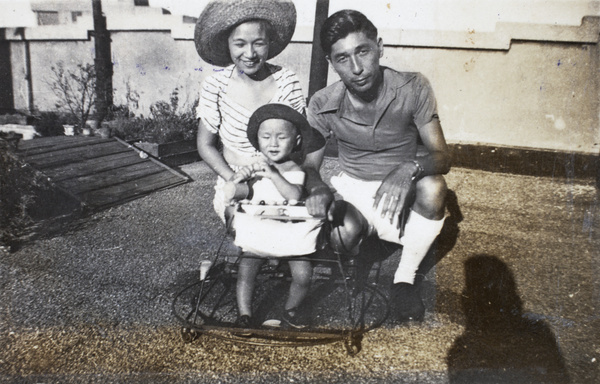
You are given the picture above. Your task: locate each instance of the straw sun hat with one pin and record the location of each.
(220, 16)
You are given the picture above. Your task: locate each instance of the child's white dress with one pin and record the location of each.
(267, 230)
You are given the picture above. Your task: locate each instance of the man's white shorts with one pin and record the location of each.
(361, 194)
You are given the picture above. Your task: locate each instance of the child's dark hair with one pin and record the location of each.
(277, 111)
(341, 24)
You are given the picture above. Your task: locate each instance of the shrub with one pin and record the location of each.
(75, 89)
(129, 129)
(168, 122)
(116, 112)
(19, 187)
(51, 123)
(28, 200)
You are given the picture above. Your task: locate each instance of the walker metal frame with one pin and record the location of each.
(208, 306)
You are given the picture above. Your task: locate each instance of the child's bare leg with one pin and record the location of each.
(248, 269)
(301, 276)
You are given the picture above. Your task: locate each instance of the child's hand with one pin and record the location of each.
(264, 169)
(243, 174)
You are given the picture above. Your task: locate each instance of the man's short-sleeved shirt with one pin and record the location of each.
(370, 150)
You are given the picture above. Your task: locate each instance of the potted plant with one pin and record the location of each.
(168, 134)
(75, 90)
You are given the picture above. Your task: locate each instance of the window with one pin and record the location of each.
(141, 3)
(75, 15)
(189, 19)
(47, 18)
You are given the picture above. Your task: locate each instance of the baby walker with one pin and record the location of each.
(343, 304)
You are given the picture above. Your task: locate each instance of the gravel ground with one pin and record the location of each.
(93, 303)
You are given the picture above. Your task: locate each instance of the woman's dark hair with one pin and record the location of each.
(270, 31)
(341, 24)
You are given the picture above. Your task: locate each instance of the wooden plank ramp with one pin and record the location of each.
(98, 172)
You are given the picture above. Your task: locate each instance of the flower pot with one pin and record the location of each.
(93, 124)
(69, 130)
(104, 132)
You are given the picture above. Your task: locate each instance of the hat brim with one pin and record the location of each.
(276, 111)
(219, 17)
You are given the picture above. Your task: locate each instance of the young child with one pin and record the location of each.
(276, 130)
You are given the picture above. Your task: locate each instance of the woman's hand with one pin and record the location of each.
(243, 174)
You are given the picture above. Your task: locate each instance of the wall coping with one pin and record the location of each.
(588, 32)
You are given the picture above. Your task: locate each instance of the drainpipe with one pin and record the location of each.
(596, 47)
(31, 106)
(28, 75)
(102, 62)
(7, 102)
(318, 63)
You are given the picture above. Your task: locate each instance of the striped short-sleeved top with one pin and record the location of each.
(223, 116)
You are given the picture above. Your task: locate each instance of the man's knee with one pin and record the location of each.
(348, 227)
(431, 196)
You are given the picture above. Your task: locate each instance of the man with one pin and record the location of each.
(379, 118)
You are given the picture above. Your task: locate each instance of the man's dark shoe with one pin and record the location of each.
(407, 302)
(292, 319)
(244, 322)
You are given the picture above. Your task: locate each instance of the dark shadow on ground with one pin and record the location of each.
(499, 344)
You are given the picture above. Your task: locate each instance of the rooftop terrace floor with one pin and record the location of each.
(93, 303)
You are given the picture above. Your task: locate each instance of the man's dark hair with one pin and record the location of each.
(341, 24)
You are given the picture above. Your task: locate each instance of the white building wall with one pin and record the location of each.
(513, 73)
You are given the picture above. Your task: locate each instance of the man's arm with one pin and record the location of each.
(400, 183)
(319, 194)
(437, 161)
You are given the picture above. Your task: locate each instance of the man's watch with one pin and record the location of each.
(420, 170)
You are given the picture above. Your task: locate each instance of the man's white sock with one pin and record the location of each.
(419, 234)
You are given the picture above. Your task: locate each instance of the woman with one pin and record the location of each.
(241, 36)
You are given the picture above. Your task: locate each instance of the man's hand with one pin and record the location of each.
(319, 200)
(395, 189)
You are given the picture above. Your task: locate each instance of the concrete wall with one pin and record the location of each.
(518, 85)
(43, 56)
(537, 95)
(154, 69)
(542, 95)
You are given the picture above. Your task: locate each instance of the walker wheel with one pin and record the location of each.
(188, 335)
(352, 343)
